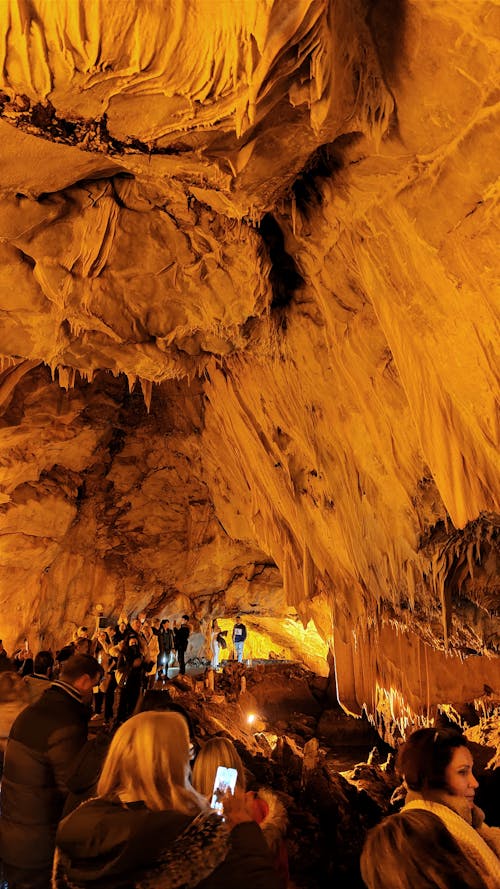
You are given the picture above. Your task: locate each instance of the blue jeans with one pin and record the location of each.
(239, 651)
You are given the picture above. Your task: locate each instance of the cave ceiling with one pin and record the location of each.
(249, 325)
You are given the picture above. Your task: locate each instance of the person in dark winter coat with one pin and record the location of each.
(43, 743)
(166, 647)
(14, 697)
(39, 682)
(181, 642)
(149, 829)
(130, 669)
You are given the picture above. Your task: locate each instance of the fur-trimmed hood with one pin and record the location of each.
(270, 815)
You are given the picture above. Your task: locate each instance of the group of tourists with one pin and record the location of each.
(132, 811)
(135, 654)
(134, 808)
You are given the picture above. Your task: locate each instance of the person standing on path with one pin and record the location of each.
(239, 636)
(181, 642)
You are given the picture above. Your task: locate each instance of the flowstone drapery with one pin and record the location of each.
(249, 334)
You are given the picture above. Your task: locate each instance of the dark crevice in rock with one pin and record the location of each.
(117, 442)
(386, 20)
(41, 119)
(321, 165)
(285, 278)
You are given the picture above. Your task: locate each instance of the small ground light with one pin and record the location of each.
(251, 718)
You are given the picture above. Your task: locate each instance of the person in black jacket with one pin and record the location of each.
(43, 743)
(181, 642)
(165, 645)
(149, 828)
(130, 669)
(39, 682)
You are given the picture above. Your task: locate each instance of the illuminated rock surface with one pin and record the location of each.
(249, 330)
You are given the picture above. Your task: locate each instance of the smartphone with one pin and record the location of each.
(225, 779)
(103, 623)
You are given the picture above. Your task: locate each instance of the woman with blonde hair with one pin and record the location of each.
(218, 751)
(214, 644)
(148, 827)
(264, 805)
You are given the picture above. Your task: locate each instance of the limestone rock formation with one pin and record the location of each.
(249, 334)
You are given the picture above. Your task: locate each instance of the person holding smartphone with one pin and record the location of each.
(147, 826)
(219, 774)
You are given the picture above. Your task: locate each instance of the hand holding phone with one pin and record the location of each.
(225, 779)
(238, 808)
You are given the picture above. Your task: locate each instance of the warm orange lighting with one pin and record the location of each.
(251, 718)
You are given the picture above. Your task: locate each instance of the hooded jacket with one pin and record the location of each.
(106, 844)
(270, 814)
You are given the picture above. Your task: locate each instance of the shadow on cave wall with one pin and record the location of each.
(387, 21)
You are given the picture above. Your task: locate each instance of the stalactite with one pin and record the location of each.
(308, 573)
(147, 392)
(66, 377)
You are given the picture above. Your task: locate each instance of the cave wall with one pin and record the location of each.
(250, 324)
(105, 503)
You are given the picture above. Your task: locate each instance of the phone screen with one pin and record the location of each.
(225, 779)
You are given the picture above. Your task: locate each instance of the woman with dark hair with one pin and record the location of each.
(130, 669)
(437, 768)
(414, 849)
